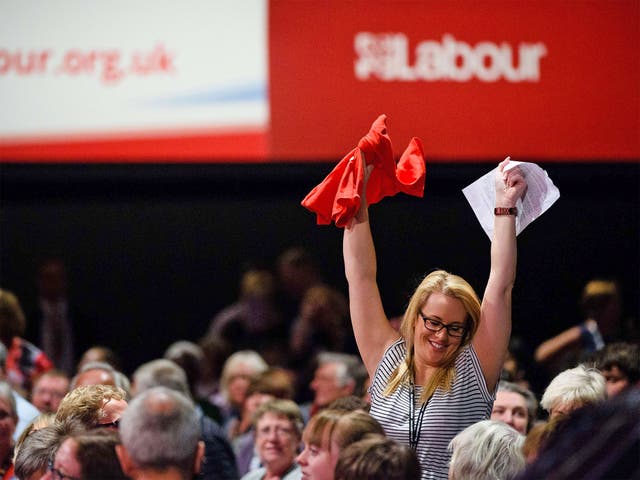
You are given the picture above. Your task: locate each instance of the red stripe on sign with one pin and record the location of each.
(248, 146)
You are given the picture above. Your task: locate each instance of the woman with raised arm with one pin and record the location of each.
(439, 375)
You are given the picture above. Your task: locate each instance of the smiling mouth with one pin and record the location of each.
(437, 346)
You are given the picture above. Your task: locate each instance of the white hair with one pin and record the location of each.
(579, 386)
(486, 450)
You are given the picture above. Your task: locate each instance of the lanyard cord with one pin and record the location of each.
(415, 426)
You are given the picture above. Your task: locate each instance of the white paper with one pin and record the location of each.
(540, 195)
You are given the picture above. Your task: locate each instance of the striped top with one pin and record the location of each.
(447, 413)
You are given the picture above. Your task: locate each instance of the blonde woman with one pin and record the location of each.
(438, 374)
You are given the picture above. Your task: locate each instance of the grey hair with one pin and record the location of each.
(282, 408)
(486, 450)
(529, 396)
(119, 378)
(161, 429)
(248, 358)
(348, 366)
(6, 392)
(161, 373)
(36, 450)
(580, 385)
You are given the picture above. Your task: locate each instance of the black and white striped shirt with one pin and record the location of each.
(447, 413)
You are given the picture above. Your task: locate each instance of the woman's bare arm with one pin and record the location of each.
(371, 327)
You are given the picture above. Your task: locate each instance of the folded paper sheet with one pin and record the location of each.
(540, 195)
(337, 197)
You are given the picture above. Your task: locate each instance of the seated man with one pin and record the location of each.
(95, 406)
(160, 434)
(49, 389)
(337, 375)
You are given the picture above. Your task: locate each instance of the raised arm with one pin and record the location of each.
(371, 327)
(492, 338)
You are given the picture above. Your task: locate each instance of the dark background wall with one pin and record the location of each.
(155, 250)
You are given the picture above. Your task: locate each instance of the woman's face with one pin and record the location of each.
(318, 462)
(432, 348)
(511, 408)
(7, 423)
(276, 442)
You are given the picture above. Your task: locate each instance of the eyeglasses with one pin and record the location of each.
(278, 430)
(57, 474)
(115, 424)
(453, 330)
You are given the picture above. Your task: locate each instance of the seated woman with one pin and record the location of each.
(327, 434)
(278, 429)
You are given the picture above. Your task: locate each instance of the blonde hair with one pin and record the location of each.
(453, 286)
(86, 403)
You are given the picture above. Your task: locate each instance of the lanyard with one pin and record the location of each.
(415, 426)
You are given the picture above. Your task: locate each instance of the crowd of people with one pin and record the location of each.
(296, 380)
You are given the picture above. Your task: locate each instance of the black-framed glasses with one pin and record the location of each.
(453, 330)
(57, 474)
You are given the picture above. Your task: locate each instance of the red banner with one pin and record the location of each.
(538, 79)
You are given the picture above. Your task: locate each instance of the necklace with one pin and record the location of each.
(415, 424)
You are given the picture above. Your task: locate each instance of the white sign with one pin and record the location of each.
(77, 68)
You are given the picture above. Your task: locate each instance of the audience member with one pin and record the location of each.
(33, 455)
(278, 426)
(337, 375)
(35, 452)
(572, 389)
(516, 406)
(274, 383)
(219, 461)
(377, 457)
(87, 456)
(190, 357)
(602, 323)
(100, 353)
(160, 435)
(254, 321)
(24, 361)
(437, 376)
(95, 406)
(620, 365)
(101, 373)
(486, 450)
(8, 423)
(327, 433)
(55, 322)
(237, 372)
(49, 389)
(601, 440)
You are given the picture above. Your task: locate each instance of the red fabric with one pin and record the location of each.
(337, 197)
